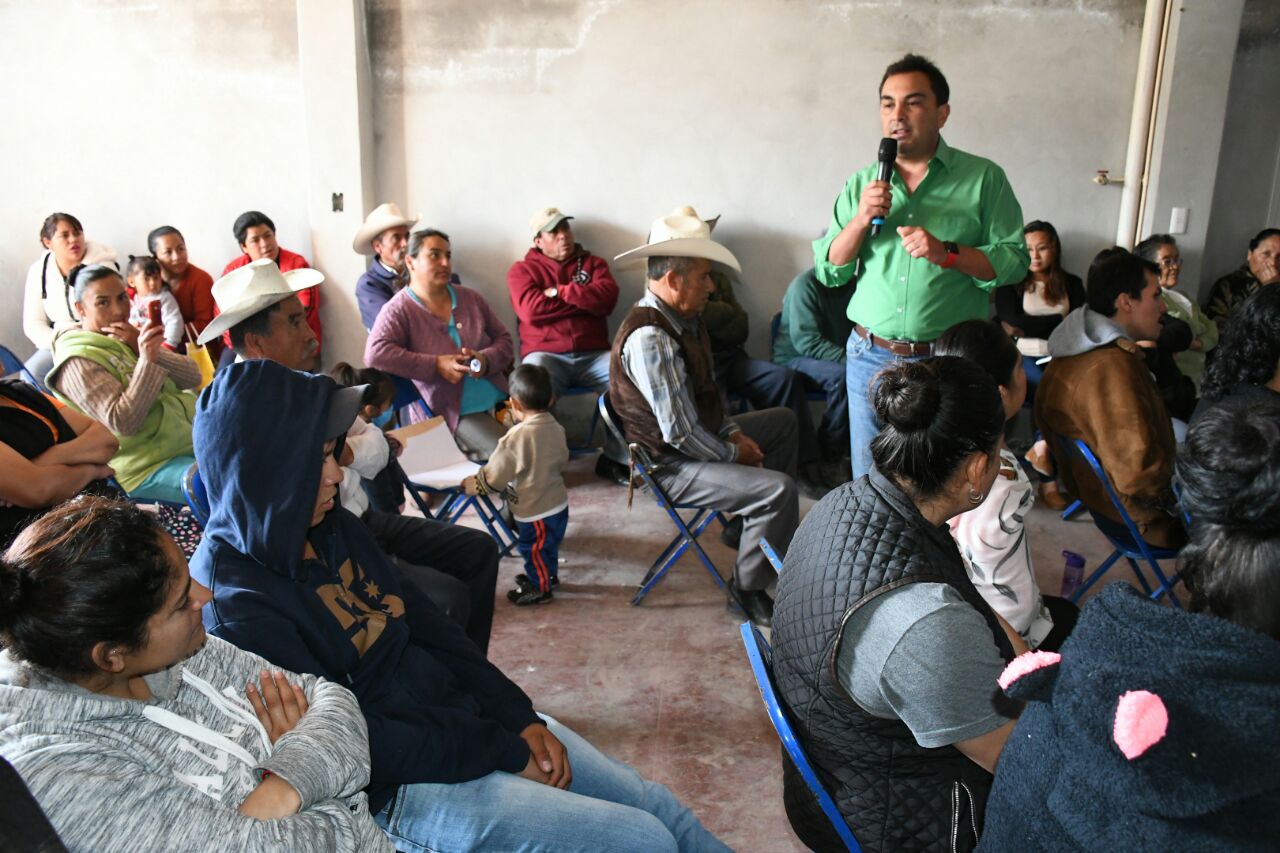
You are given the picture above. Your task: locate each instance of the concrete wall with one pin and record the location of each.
(615, 110)
(1191, 126)
(133, 115)
(1247, 195)
(619, 110)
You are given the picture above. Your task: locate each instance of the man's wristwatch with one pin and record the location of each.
(953, 255)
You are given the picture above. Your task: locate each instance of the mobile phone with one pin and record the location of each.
(153, 313)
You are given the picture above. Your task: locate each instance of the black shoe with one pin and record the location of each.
(756, 602)
(611, 470)
(731, 535)
(525, 582)
(521, 596)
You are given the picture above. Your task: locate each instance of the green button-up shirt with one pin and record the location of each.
(963, 198)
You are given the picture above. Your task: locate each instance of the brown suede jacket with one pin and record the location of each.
(1106, 397)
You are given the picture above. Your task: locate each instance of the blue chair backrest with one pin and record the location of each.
(759, 654)
(197, 497)
(407, 395)
(1081, 449)
(11, 364)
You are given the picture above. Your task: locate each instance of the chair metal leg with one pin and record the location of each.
(1165, 584)
(1142, 579)
(1071, 509)
(1097, 573)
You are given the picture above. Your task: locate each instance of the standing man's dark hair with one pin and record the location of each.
(1115, 271)
(250, 219)
(914, 62)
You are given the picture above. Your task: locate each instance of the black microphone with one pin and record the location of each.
(888, 153)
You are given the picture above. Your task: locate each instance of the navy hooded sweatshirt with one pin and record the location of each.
(1154, 730)
(437, 710)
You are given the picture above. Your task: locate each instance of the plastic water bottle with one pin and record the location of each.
(1072, 573)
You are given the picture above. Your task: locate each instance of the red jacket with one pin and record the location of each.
(310, 298)
(574, 320)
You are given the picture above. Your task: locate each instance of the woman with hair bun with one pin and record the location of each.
(885, 654)
(134, 730)
(1155, 729)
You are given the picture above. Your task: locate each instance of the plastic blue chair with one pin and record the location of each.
(771, 555)
(1127, 541)
(688, 530)
(11, 364)
(760, 656)
(456, 502)
(196, 494)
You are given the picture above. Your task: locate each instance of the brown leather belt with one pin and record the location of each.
(910, 348)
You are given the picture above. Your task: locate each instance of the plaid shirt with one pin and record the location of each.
(652, 361)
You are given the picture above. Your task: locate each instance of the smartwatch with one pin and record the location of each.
(953, 255)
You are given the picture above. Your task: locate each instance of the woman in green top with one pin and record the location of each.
(126, 379)
(1162, 250)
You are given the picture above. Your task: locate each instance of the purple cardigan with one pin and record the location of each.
(406, 339)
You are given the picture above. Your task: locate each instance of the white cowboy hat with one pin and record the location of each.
(244, 292)
(545, 219)
(687, 210)
(681, 236)
(381, 218)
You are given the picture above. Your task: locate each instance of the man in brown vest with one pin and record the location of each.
(663, 387)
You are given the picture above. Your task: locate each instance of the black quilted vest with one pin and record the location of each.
(861, 540)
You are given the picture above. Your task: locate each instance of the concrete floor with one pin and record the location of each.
(666, 686)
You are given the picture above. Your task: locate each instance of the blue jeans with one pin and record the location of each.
(580, 370)
(165, 483)
(863, 361)
(1034, 373)
(608, 807)
(829, 378)
(539, 544)
(766, 385)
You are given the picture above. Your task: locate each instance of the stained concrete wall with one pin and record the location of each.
(619, 110)
(132, 115)
(615, 110)
(1247, 195)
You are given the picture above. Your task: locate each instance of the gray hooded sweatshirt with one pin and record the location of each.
(1081, 331)
(168, 774)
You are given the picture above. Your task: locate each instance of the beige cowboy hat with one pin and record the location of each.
(687, 210)
(381, 218)
(546, 219)
(683, 236)
(244, 292)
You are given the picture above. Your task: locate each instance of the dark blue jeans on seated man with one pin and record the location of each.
(829, 378)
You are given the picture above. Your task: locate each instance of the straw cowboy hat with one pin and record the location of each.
(244, 292)
(683, 236)
(381, 218)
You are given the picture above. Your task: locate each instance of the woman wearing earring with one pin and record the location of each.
(884, 652)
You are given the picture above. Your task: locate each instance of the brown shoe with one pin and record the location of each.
(1051, 497)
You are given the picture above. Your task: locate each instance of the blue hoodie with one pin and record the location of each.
(437, 710)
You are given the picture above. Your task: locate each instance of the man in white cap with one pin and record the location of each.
(455, 566)
(383, 237)
(563, 295)
(663, 387)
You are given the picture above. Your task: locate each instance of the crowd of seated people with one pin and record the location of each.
(908, 598)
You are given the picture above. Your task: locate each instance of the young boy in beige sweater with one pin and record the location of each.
(527, 468)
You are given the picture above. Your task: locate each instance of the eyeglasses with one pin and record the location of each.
(1171, 263)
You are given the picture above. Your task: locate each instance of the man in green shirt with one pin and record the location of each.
(952, 232)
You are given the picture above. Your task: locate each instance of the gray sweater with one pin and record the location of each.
(119, 774)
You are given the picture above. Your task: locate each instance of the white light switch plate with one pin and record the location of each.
(1178, 220)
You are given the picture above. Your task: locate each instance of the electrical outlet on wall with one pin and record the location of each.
(1178, 220)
